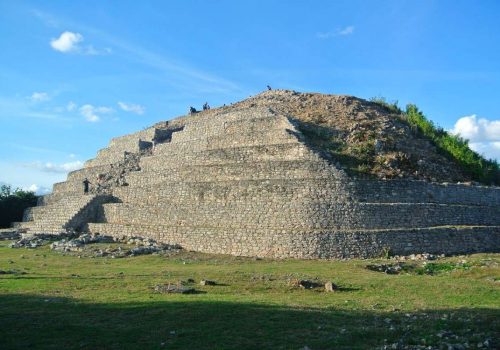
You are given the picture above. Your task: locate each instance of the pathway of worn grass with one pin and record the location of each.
(53, 301)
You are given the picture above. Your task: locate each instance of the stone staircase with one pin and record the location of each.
(69, 214)
(67, 208)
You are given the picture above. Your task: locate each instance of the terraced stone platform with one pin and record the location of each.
(245, 182)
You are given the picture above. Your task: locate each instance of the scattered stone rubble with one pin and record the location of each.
(331, 287)
(76, 244)
(307, 284)
(116, 175)
(174, 289)
(32, 241)
(390, 269)
(9, 234)
(181, 288)
(141, 246)
(418, 257)
(400, 265)
(208, 283)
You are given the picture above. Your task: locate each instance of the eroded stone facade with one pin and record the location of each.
(244, 182)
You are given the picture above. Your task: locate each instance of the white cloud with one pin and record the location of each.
(90, 113)
(39, 97)
(24, 175)
(90, 50)
(71, 106)
(346, 31)
(338, 32)
(490, 150)
(39, 190)
(56, 168)
(67, 42)
(483, 134)
(173, 71)
(474, 129)
(133, 108)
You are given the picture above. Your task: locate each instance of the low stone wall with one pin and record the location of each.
(423, 192)
(287, 151)
(288, 170)
(303, 214)
(309, 244)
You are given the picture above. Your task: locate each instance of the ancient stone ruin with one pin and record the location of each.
(244, 180)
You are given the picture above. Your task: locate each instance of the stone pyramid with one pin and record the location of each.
(244, 181)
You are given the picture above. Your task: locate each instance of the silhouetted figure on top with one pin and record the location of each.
(269, 88)
(192, 110)
(86, 184)
(206, 107)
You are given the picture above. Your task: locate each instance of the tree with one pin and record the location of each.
(13, 203)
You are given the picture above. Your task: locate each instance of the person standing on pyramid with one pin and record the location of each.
(86, 184)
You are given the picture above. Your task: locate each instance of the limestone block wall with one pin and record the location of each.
(234, 171)
(250, 172)
(422, 191)
(314, 244)
(244, 182)
(302, 214)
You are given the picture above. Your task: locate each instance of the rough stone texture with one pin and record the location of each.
(243, 181)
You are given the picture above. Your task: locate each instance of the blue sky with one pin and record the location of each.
(75, 74)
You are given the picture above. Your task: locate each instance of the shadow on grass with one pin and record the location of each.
(42, 322)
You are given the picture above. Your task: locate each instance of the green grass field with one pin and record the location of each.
(56, 301)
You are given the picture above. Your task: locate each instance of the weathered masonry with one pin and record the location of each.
(244, 182)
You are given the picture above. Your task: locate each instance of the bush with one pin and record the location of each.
(455, 148)
(391, 107)
(13, 204)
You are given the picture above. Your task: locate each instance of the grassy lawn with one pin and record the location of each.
(57, 301)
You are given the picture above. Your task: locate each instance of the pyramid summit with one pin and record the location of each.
(281, 174)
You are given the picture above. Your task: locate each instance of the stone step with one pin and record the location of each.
(335, 188)
(313, 244)
(231, 171)
(54, 217)
(202, 142)
(130, 142)
(233, 128)
(42, 228)
(275, 152)
(89, 173)
(206, 120)
(281, 189)
(302, 214)
(423, 192)
(68, 187)
(106, 157)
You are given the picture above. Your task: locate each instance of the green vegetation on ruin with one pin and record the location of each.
(365, 149)
(452, 146)
(53, 301)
